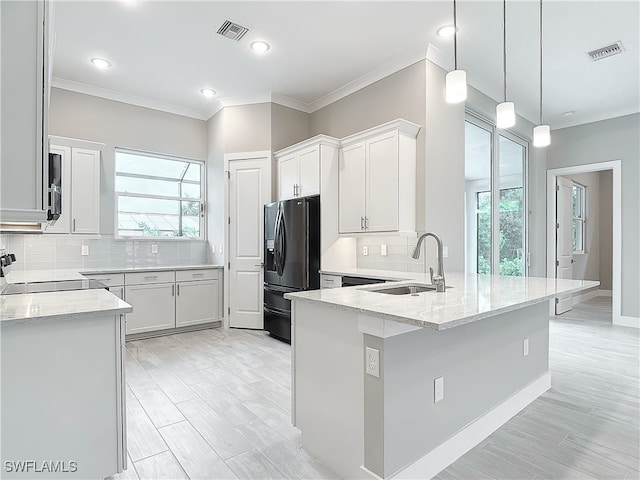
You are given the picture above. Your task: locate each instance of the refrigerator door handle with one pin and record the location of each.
(282, 244)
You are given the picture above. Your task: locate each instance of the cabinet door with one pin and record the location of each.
(63, 224)
(85, 191)
(382, 183)
(154, 307)
(287, 177)
(118, 292)
(23, 111)
(351, 188)
(309, 172)
(196, 302)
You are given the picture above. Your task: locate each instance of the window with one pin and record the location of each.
(158, 196)
(495, 199)
(579, 217)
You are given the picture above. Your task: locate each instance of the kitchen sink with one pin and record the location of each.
(410, 289)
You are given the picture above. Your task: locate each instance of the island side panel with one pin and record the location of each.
(328, 385)
(59, 395)
(482, 364)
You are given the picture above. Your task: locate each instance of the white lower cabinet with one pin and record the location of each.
(196, 302)
(153, 307)
(118, 292)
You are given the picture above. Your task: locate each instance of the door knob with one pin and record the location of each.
(261, 265)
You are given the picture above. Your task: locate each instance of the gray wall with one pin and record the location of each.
(117, 124)
(400, 95)
(247, 128)
(595, 263)
(288, 126)
(215, 187)
(614, 139)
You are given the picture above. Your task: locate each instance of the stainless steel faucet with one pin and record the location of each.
(438, 279)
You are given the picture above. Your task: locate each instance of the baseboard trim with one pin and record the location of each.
(172, 331)
(445, 454)
(605, 293)
(589, 295)
(622, 321)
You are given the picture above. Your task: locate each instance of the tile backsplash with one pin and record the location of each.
(398, 257)
(38, 252)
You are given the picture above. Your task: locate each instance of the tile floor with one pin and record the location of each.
(216, 404)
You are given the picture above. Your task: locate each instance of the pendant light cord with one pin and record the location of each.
(504, 48)
(455, 37)
(540, 27)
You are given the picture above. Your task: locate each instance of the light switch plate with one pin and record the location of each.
(154, 248)
(373, 362)
(445, 252)
(85, 250)
(525, 347)
(438, 389)
(383, 250)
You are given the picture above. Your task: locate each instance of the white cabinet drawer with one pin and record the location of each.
(109, 279)
(330, 281)
(143, 278)
(190, 275)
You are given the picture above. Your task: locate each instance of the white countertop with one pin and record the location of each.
(469, 297)
(76, 304)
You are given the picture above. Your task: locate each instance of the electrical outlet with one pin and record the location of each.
(383, 250)
(154, 248)
(438, 389)
(85, 250)
(525, 347)
(221, 250)
(373, 360)
(445, 252)
(365, 250)
(213, 248)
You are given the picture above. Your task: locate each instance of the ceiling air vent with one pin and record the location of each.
(232, 30)
(604, 52)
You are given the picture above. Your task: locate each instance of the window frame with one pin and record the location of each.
(201, 200)
(482, 122)
(582, 219)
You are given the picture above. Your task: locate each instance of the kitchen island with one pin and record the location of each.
(444, 369)
(62, 382)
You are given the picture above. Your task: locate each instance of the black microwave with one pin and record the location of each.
(55, 187)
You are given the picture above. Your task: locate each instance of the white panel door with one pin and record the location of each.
(564, 244)
(85, 191)
(196, 302)
(287, 177)
(63, 224)
(249, 191)
(351, 188)
(382, 183)
(309, 172)
(154, 307)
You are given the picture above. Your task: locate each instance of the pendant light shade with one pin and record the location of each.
(505, 111)
(456, 81)
(541, 133)
(505, 115)
(456, 86)
(541, 136)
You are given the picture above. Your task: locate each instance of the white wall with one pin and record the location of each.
(614, 139)
(117, 124)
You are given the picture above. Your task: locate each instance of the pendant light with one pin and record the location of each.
(541, 133)
(505, 111)
(456, 80)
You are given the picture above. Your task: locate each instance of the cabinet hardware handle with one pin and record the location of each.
(366, 223)
(74, 224)
(294, 189)
(173, 290)
(178, 289)
(150, 277)
(361, 223)
(329, 280)
(198, 274)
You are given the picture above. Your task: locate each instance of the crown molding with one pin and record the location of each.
(367, 79)
(126, 98)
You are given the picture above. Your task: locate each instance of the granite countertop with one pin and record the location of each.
(76, 304)
(469, 297)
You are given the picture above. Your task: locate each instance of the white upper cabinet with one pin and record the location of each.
(80, 189)
(85, 191)
(299, 167)
(372, 164)
(24, 103)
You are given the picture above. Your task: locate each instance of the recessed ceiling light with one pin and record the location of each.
(260, 46)
(569, 113)
(446, 31)
(101, 63)
(208, 92)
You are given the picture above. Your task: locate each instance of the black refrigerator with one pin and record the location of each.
(291, 258)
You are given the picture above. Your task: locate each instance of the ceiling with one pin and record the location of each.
(163, 53)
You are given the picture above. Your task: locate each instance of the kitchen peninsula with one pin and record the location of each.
(400, 385)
